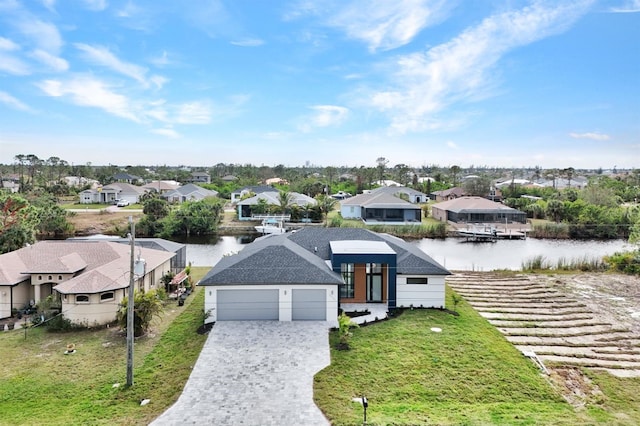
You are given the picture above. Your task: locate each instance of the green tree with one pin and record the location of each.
(326, 204)
(454, 171)
(146, 306)
(555, 209)
(284, 201)
(194, 218)
(479, 186)
(18, 221)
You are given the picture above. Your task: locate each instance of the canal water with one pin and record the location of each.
(453, 253)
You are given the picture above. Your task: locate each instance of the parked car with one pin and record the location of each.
(122, 203)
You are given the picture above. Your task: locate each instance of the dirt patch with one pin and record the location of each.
(576, 388)
(105, 222)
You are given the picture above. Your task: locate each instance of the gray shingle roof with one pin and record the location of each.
(300, 258)
(271, 260)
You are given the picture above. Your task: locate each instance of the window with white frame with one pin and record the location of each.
(417, 280)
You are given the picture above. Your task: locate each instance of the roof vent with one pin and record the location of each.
(315, 249)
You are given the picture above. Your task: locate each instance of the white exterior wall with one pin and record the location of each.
(430, 295)
(284, 298)
(351, 211)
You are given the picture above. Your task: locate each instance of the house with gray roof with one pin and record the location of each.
(408, 194)
(308, 274)
(247, 190)
(189, 192)
(110, 193)
(381, 208)
(89, 278)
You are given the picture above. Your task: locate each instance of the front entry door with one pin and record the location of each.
(374, 282)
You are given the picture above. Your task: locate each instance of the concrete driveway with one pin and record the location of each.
(255, 373)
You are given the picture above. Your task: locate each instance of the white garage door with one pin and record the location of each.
(309, 305)
(247, 305)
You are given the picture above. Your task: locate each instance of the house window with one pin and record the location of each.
(374, 282)
(82, 298)
(39, 277)
(348, 274)
(110, 295)
(416, 280)
(50, 277)
(59, 277)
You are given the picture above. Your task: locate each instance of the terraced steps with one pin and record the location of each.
(538, 316)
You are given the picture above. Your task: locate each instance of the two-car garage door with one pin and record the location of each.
(264, 304)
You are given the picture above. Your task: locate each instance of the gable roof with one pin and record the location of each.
(410, 258)
(393, 190)
(190, 189)
(378, 200)
(475, 204)
(302, 257)
(256, 189)
(272, 197)
(271, 260)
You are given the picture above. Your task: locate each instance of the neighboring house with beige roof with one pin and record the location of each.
(90, 277)
(476, 210)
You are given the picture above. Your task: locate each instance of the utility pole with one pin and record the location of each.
(130, 325)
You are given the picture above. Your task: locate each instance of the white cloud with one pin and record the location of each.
(53, 62)
(91, 92)
(162, 60)
(460, 70)
(103, 56)
(380, 24)
(9, 100)
(452, 145)
(590, 135)
(193, 113)
(13, 65)
(158, 81)
(49, 4)
(96, 5)
(325, 116)
(168, 132)
(252, 42)
(43, 34)
(629, 6)
(8, 45)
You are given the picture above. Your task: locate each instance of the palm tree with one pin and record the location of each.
(284, 199)
(326, 204)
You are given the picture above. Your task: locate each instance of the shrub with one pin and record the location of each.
(626, 262)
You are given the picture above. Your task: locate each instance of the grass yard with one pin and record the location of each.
(466, 375)
(40, 385)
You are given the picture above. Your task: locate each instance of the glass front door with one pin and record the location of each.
(374, 282)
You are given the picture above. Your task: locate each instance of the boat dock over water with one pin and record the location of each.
(489, 233)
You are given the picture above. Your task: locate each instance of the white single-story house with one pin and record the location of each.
(247, 190)
(307, 274)
(90, 277)
(408, 194)
(114, 191)
(189, 192)
(380, 207)
(161, 186)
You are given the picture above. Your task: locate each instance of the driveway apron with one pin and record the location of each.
(254, 373)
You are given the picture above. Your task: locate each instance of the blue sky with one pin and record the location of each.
(509, 83)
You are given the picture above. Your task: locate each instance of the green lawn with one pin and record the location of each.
(466, 375)
(41, 385)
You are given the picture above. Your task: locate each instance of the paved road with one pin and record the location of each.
(255, 373)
